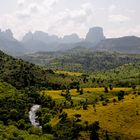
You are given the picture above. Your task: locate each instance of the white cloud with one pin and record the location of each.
(112, 8)
(57, 17)
(34, 15)
(69, 21)
(20, 3)
(125, 31)
(118, 18)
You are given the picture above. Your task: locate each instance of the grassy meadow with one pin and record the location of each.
(88, 93)
(122, 117)
(117, 118)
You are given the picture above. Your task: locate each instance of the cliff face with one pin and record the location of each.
(95, 35)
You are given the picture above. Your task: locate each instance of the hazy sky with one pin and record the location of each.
(60, 17)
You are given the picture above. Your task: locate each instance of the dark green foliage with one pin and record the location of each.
(85, 106)
(47, 128)
(114, 101)
(121, 95)
(106, 89)
(22, 74)
(67, 130)
(84, 60)
(94, 131)
(63, 116)
(124, 76)
(81, 91)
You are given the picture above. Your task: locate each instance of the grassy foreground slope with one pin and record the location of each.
(121, 118)
(117, 119)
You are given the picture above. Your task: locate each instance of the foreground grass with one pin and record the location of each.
(122, 117)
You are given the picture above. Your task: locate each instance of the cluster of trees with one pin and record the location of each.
(22, 74)
(89, 61)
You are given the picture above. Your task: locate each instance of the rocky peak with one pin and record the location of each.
(95, 35)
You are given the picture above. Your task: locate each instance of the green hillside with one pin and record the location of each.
(74, 106)
(23, 74)
(126, 75)
(81, 60)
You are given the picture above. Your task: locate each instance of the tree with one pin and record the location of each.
(78, 88)
(94, 131)
(106, 89)
(133, 87)
(81, 91)
(14, 114)
(111, 87)
(85, 105)
(121, 95)
(94, 107)
(68, 96)
(63, 116)
(47, 128)
(114, 101)
(106, 135)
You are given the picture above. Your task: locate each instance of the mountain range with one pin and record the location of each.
(43, 42)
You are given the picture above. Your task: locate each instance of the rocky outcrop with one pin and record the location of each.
(95, 35)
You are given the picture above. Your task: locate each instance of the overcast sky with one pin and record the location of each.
(60, 17)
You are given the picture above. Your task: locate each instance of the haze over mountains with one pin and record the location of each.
(43, 42)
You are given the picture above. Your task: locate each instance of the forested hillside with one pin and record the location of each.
(81, 59)
(23, 74)
(59, 94)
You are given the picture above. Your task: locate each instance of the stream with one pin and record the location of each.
(33, 117)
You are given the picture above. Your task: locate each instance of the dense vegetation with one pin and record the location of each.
(23, 74)
(70, 108)
(82, 59)
(14, 108)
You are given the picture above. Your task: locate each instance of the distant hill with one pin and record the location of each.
(43, 42)
(21, 74)
(10, 45)
(128, 44)
(81, 59)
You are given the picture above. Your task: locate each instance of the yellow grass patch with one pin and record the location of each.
(121, 118)
(69, 73)
(56, 94)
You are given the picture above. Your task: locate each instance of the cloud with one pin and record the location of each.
(112, 8)
(125, 31)
(20, 3)
(118, 18)
(70, 21)
(32, 15)
(50, 3)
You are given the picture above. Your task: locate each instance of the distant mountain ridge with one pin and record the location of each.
(43, 42)
(127, 44)
(10, 45)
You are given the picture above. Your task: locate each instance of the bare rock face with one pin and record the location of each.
(95, 35)
(7, 35)
(73, 38)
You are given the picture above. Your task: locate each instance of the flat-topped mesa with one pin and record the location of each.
(73, 38)
(95, 35)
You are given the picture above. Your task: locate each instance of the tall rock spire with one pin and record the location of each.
(95, 35)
